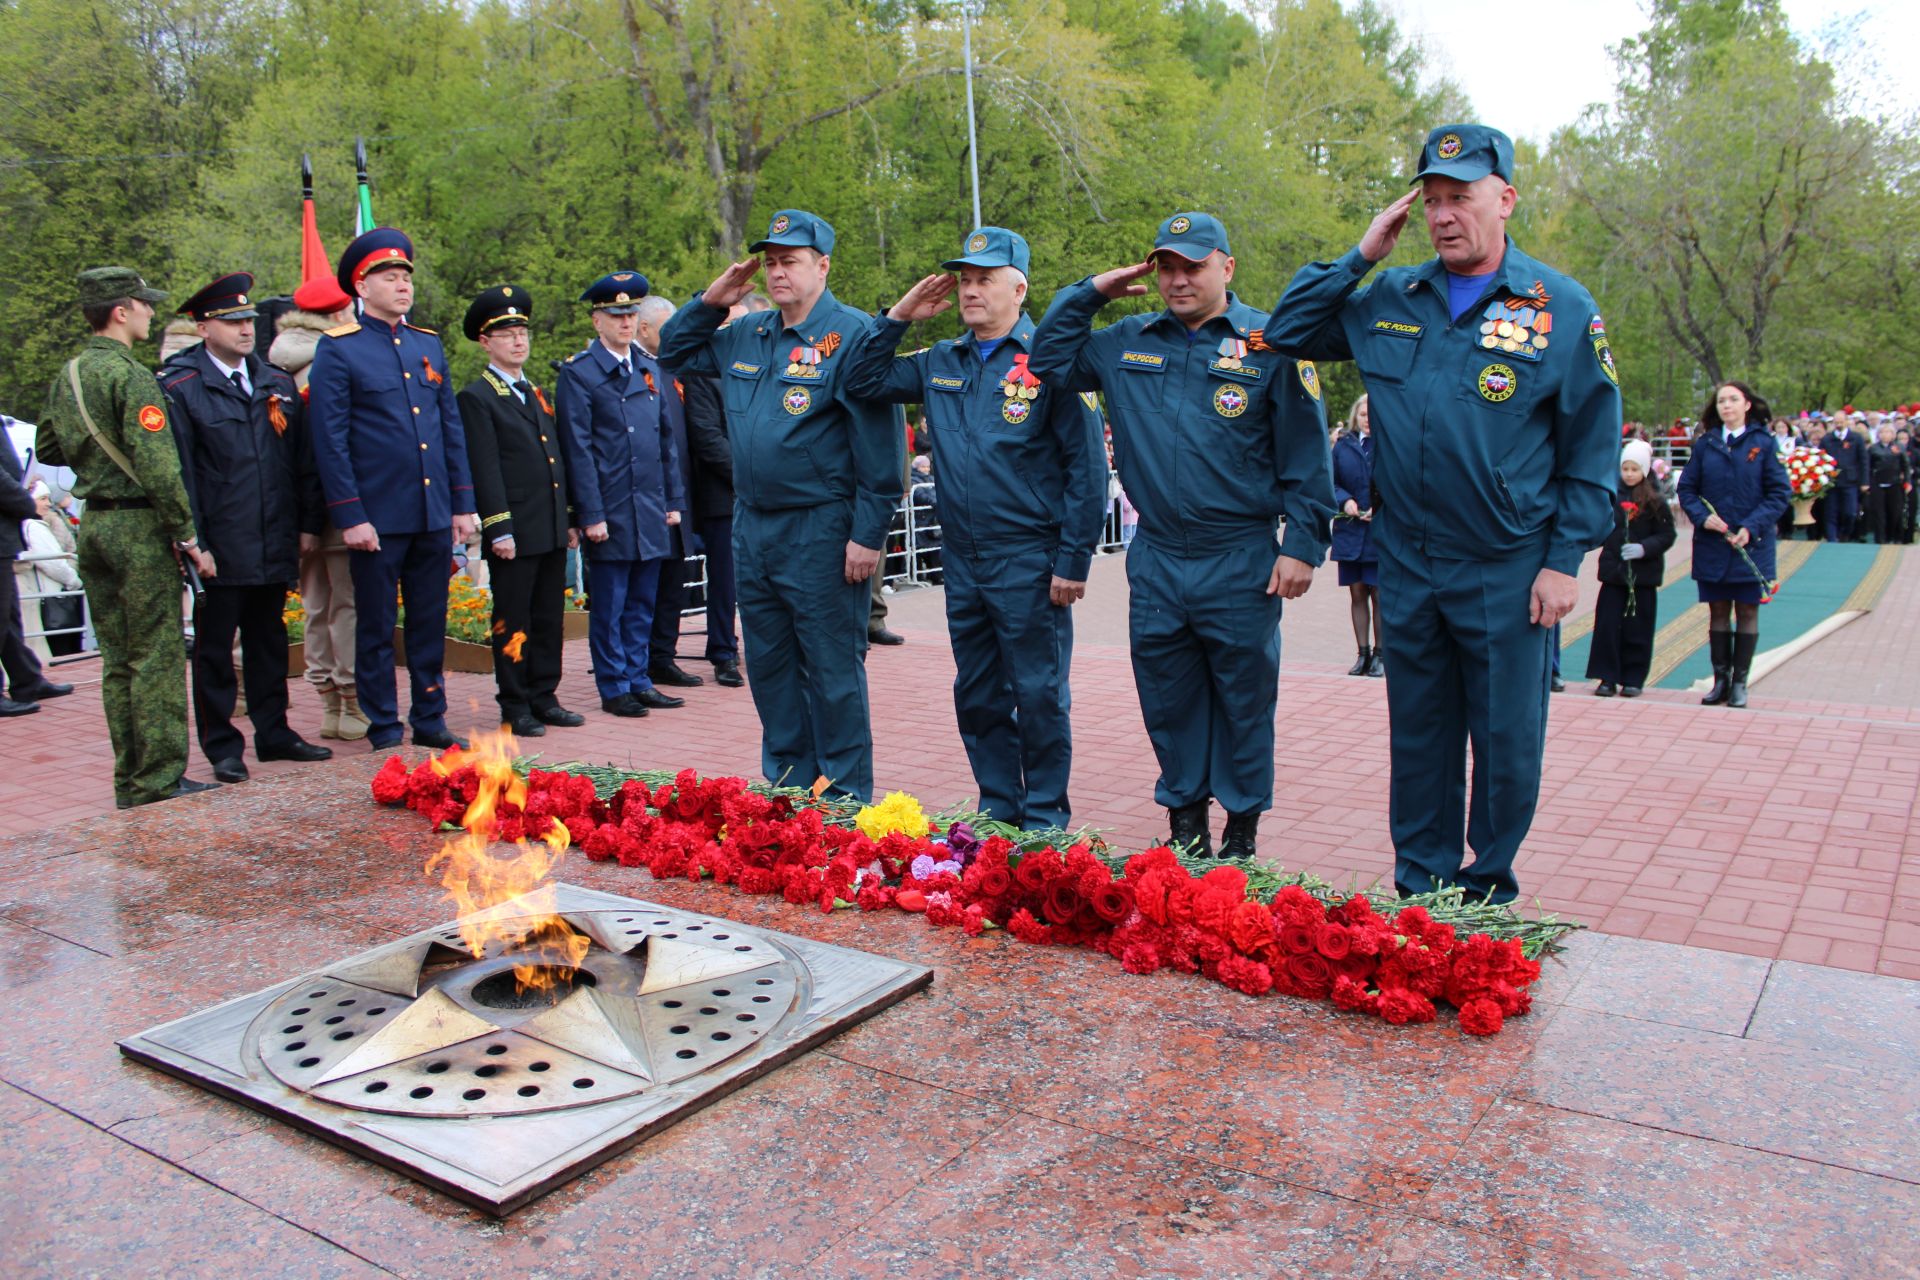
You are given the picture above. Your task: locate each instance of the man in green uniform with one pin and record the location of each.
(106, 419)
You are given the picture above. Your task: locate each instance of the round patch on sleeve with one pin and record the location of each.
(153, 417)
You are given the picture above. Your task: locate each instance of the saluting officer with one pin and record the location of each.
(1022, 499)
(393, 463)
(627, 492)
(520, 487)
(817, 477)
(105, 418)
(1496, 419)
(248, 465)
(1216, 439)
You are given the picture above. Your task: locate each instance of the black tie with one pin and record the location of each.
(239, 381)
(626, 372)
(526, 392)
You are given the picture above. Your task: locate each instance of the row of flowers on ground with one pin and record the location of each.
(1148, 911)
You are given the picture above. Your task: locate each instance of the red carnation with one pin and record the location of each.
(1400, 1006)
(1353, 996)
(1480, 1017)
(1140, 957)
(390, 784)
(1249, 976)
(1250, 927)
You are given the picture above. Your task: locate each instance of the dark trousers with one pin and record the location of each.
(806, 646)
(1843, 512)
(1622, 651)
(620, 623)
(529, 601)
(1886, 508)
(418, 565)
(256, 612)
(1205, 637)
(20, 662)
(1012, 650)
(716, 541)
(1465, 666)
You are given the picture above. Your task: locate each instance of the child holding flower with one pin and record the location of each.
(1632, 565)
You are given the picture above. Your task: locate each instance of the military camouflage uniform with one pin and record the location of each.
(126, 558)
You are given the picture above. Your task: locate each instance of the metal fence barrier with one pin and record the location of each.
(83, 632)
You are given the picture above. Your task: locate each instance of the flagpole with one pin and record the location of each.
(363, 211)
(973, 138)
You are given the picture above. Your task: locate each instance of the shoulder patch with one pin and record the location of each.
(421, 328)
(153, 417)
(1309, 378)
(341, 331)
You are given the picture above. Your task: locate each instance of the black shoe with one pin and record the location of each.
(293, 748)
(1557, 685)
(1629, 690)
(657, 700)
(1378, 667)
(121, 802)
(525, 725)
(1237, 841)
(1187, 825)
(726, 673)
(624, 705)
(188, 787)
(384, 744)
(438, 739)
(670, 674)
(1361, 663)
(8, 707)
(884, 636)
(36, 692)
(1722, 646)
(560, 716)
(234, 770)
(1744, 643)
(1605, 689)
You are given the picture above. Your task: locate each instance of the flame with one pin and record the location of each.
(481, 876)
(512, 647)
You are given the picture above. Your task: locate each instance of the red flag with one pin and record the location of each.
(318, 292)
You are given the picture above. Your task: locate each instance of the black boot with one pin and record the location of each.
(1359, 668)
(1744, 643)
(1378, 667)
(1721, 643)
(1187, 825)
(1238, 839)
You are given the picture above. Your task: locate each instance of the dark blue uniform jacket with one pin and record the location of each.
(620, 456)
(1013, 473)
(386, 430)
(1479, 454)
(1352, 478)
(1747, 485)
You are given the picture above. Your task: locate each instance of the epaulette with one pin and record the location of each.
(341, 331)
(184, 375)
(420, 328)
(575, 356)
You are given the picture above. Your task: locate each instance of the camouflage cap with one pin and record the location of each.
(108, 284)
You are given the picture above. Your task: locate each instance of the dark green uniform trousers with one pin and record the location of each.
(1465, 665)
(133, 593)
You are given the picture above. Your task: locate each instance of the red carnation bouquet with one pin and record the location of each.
(1810, 471)
(1255, 929)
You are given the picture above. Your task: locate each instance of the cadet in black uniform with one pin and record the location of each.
(520, 487)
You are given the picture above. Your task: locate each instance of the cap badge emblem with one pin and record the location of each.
(1180, 225)
(978, 242)
(1449, 147)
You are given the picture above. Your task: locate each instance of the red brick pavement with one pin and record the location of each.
(1787, 831)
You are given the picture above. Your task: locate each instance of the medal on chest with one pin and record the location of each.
(806, 361)
(1233, 354)
(1020, 388)
(1520, 325)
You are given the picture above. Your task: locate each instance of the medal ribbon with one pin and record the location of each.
(1020, 375)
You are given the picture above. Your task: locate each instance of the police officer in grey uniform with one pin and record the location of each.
(1496, 417)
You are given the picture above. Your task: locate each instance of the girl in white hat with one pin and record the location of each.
(1632, 564)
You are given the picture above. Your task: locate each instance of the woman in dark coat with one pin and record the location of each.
(1633, 563)
(1353, 536)
(1734, 489)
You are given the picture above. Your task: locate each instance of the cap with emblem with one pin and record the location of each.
(369, 252)
(502, 307)
(228, 298)
(618, 294)
(796, 229)
(1194, 236)
(1466, 153)
(109, 284)
(991, 247)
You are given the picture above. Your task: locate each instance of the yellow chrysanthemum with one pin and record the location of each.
(898, 812)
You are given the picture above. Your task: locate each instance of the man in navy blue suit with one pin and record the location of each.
(1848, 446)
(393, 463)
(627, 490)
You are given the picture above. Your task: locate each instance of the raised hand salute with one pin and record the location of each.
(734, 284)
(1383, 233)
(927, 299)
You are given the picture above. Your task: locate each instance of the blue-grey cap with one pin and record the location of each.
(992, 247)
(796, 229)
(1194, 236)
(1466, 153)
(618, 294)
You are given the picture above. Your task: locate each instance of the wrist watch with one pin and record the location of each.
(188, 545)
